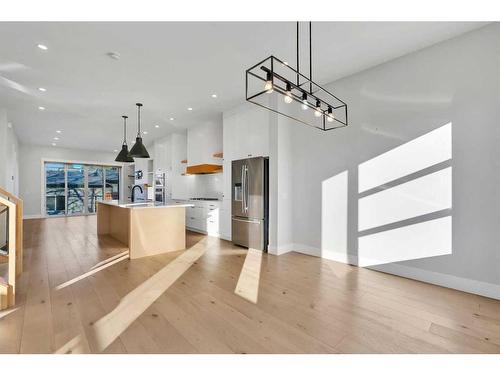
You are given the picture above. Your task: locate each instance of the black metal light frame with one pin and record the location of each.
(331, 105)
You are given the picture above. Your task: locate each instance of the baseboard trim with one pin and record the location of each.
(448, 281)
(337, 256)
(280, 250)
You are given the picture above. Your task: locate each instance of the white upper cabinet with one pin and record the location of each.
(178, 152)
(246, 133)
(203, 142)
(162, 154)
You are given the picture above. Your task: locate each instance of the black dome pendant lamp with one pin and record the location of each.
(123, 154)
(138, 150)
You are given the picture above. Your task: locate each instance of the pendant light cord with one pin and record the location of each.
(124, 129)
(139, 119)
(310, 59)
(298, 77)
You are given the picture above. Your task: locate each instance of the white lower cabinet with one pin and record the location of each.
(204, 217)
(225, 220)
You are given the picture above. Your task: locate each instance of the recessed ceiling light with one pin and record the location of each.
(190, 109)
(41, 108)
(144, 132)
(56, 138)
(54, 144)
(157, 126)
(172, 119)
(42, 89)
(115, 150)
(43, 46)
(114, 55)
(58, 131)
(285, 62)
(214, 95)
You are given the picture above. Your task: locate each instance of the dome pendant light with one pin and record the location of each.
(123, 155)
(138, 150)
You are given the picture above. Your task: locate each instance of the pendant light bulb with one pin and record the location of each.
(317, 112)
(330, 116)
(304, 101)
(288, 96)
(269, 83)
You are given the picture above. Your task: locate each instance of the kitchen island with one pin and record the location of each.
(147, 228)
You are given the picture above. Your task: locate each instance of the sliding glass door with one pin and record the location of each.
(75, 189)
(112, 189)
(95, 191)
(75, 182)
(55, 189)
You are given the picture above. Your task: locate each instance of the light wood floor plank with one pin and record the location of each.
(292, 304)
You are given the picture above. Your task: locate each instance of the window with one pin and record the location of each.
(96, 184)
(75, 189)
(55, 189)
(112, 189)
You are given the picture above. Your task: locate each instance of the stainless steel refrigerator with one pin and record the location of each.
(250, 203)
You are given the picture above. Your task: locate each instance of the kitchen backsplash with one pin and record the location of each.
(197, 186)
(206, 186)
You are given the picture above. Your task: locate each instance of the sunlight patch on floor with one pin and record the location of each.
(248, 282)
(110, 259)
(91, 272)
(77, 345)
(110, 326)
(4, 313)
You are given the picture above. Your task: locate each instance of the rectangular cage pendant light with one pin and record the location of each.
(275, 85)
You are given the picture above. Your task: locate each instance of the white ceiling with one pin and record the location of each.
(169, 66)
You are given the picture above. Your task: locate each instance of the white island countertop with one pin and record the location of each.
(145, 204)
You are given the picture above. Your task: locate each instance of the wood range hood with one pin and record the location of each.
(204, 169)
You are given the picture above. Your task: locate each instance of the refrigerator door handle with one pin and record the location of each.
(246, 220)
(246, 188)
(243, 188)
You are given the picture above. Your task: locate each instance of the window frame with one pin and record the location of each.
(86, 165)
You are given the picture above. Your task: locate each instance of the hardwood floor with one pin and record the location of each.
(72, 300)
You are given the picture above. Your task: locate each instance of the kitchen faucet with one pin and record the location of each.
(133, 191)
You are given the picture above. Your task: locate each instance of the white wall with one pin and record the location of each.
(455, 82)
(281, 238)
(9, 150)
(9, 172)
(315, 189)
(30, 157)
